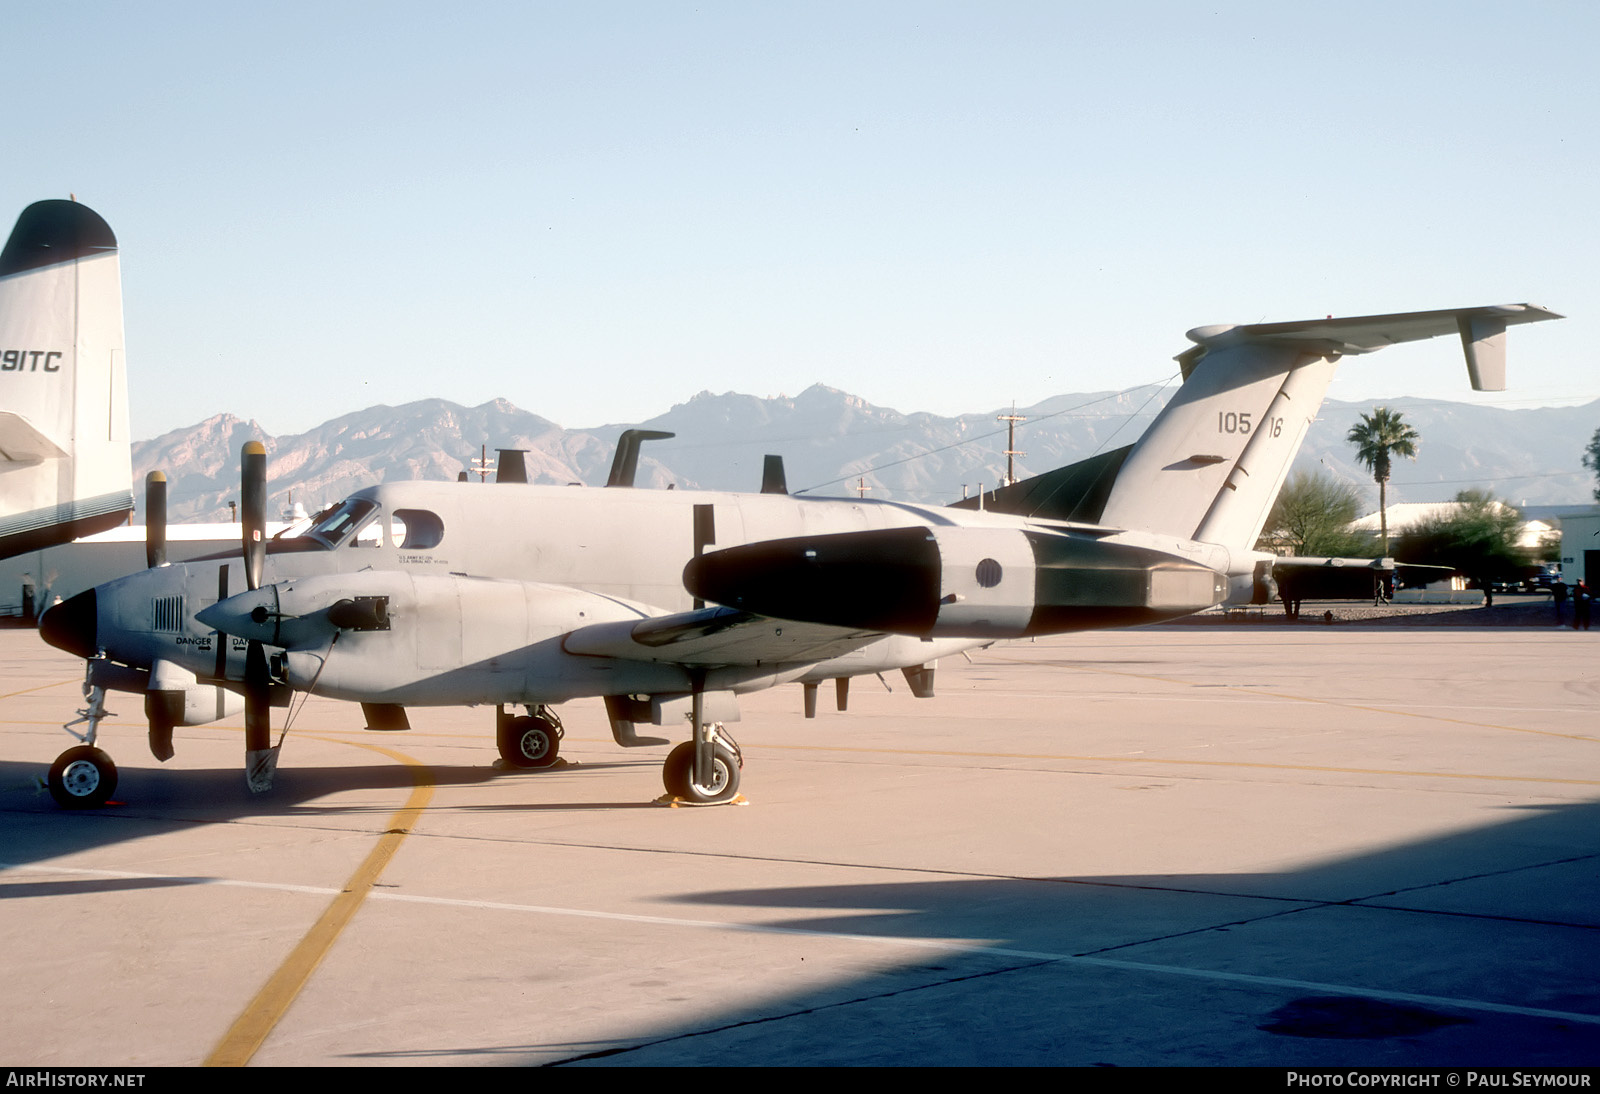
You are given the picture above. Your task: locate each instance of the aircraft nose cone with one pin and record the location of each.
(71, 625)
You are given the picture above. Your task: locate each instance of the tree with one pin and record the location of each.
(1479, 539)
(1591, 460)
(1312, 516)
(1378, 438)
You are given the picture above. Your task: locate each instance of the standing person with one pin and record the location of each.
(1558, 597)
(1580, 606)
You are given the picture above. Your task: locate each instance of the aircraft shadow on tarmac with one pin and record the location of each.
(1196, 969)
(1136, 970)
(152, 800)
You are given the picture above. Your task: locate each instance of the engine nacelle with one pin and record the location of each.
(176, 698)
(956, 582)
(391, 636)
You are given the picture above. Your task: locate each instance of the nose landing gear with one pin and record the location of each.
(83, 777)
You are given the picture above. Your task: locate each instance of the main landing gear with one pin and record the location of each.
(530, 742)
(704, 770)
(83, 777)
(718, 782)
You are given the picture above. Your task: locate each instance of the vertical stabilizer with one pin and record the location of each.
(65, 464)
(1211, 464)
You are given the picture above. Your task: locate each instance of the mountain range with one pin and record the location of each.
(832, 440)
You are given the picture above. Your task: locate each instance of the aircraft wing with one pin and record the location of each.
(716, 636)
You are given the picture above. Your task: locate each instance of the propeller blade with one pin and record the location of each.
(155, 520)
(253, 506)
(261, 759)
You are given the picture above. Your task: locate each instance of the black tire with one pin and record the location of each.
(82, 778)
(529, 743)
(678, 775)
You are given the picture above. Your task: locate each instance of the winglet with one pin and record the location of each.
(1483, 339)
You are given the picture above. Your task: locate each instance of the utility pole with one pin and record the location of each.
(481, 465)
(1011, 421)
(862, 487)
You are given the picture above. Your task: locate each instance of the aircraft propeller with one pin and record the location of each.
(261, 759)
(159, 718)
(155, 520)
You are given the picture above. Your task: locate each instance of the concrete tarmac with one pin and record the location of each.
(1190, 845)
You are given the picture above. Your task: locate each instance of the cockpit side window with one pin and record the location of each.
(338, 525)
(417, 529)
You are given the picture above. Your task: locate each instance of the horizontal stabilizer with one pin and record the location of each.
(21, 442)
(1482, 333)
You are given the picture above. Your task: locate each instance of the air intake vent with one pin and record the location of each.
(167, 614)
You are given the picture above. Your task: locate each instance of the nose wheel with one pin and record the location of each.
(83, 777)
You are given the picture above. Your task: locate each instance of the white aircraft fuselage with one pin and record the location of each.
(496, 593)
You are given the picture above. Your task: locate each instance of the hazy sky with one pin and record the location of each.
(596, 210)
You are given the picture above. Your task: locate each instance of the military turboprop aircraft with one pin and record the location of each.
(65, 466)
(671, 603)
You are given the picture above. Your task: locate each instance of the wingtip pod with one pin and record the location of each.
(1213, 332)
(51, 232)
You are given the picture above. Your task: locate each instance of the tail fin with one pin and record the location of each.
(65, 463)
(1211, 464)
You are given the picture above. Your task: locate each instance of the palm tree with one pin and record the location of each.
(1378, 437)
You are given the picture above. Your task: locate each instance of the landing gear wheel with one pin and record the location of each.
(82, 778)
(678, 775)
(529, 742)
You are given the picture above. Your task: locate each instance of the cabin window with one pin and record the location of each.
(416, 529)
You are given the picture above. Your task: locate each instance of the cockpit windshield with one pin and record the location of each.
(336, 527)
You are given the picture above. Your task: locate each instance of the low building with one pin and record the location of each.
(57, 573)
(1580, 546)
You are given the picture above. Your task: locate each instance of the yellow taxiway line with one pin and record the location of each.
(250, 1030)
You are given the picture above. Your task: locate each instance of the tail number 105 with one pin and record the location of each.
(1229, 422)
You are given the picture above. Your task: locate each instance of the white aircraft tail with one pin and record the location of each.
(65, 463)
(1212, 463)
